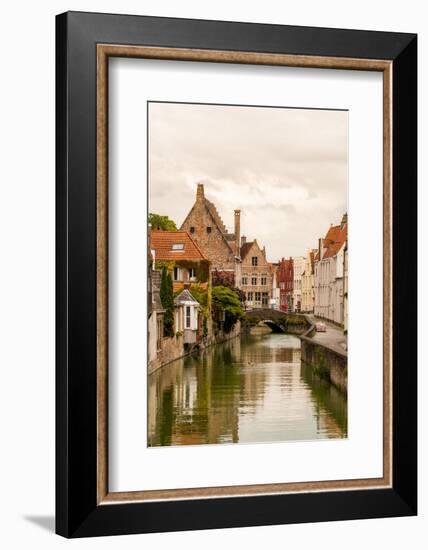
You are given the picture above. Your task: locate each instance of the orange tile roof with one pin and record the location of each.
(332, 233)
(162, 242)
(336, 237)
(177, 285)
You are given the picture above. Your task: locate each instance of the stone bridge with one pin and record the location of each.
(277, 321)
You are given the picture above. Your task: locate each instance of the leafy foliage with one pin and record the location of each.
(226, 300)
(227, 279)
(161, 222)
(167, 299)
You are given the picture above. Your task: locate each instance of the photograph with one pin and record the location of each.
(247, 274)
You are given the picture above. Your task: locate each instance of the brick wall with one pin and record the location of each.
(212, 244)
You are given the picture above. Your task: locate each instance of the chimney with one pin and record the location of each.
(264, 252)
(344, 220)
(237, 232)
(200, 192)
(320, 248)
(243, 240)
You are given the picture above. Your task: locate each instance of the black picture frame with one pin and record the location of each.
(77, 512)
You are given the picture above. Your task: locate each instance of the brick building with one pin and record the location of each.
(207, 229)
(256, 279)
(285, 278)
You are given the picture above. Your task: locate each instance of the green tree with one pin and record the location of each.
(161, 222)
(227, 300)
(167, 299)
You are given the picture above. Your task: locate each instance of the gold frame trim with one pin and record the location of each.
(104, 51)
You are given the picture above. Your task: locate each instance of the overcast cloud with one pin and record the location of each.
(286, 169)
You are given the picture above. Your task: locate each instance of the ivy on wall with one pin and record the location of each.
(202, 268)
(167, 299)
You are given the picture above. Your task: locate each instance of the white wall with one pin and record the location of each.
(27, 273)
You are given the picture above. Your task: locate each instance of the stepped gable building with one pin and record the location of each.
(208, 231)
(256, 280)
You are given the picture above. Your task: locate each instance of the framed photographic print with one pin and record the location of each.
(236, 274)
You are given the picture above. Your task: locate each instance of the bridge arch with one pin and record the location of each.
(275, 327)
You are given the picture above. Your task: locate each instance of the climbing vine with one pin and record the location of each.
(201, 268)
(167, 299)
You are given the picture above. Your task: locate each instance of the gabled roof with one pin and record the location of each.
(245, 248)
(333, 249)
(212, 211)
(334, 240)
(162, 242)
(185, 296)
(332, 233)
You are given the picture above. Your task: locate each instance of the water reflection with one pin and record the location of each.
(250, 389)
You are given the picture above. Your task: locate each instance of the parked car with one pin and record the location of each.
(321, 327)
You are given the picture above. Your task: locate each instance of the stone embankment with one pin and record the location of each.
(325, 353)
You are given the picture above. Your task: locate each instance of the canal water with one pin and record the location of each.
(250, 389)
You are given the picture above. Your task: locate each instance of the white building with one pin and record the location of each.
(186, 316)
(308, 296)
(274, 301)
(298, 268)
(328, 274)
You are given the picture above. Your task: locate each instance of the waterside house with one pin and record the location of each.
(308, 294)
(179, 282)
(298, 268)
(285, 278)
(329, 272)
(256, 280)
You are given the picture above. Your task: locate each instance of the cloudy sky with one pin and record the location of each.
(286, 169)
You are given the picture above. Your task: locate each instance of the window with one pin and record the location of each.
(177, 246)
(244, 280)
(192, 273)
(254, 260)
(176, 275)
(263, 281)
(254, 281)
(257, 297)
(208, 229)
(265, 296)
(282, 286)
(192, 229)
(188, 317)
(249, 296)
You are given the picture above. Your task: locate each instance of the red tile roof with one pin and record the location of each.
(162, 242)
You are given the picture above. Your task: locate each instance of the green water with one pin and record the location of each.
(251, 389)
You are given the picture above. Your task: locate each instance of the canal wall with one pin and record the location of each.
(328, 363)
(173, 348)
